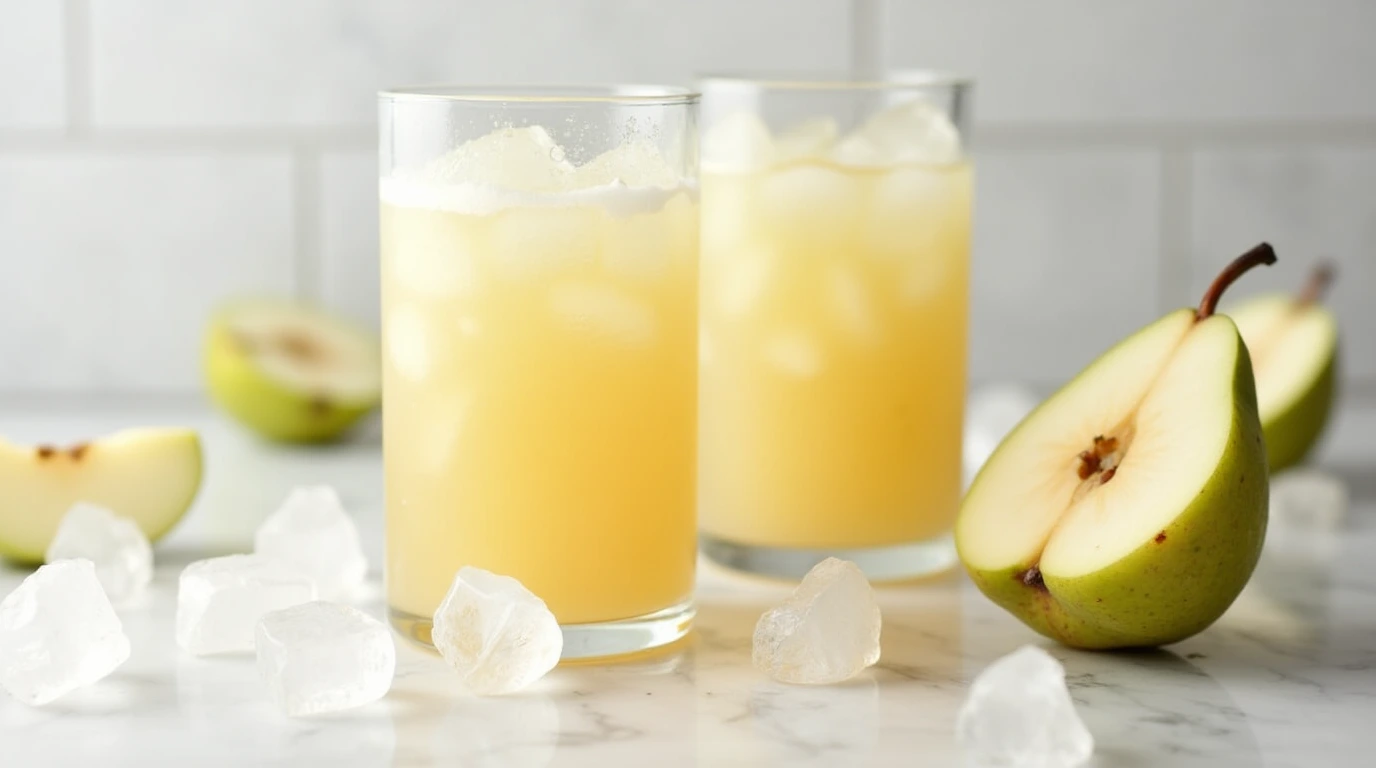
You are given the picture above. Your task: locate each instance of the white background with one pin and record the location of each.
(158, 155)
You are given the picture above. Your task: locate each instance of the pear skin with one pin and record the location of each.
(1147, 534)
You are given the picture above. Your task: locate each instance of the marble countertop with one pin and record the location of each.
(1286, 678)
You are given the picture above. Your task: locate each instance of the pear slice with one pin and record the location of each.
(1293, 341)
(1129, 508)
(148, 475)
(291, 372)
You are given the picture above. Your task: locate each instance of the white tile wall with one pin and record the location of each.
(1124, 149)
(1065, 258)
(31, 65)
(348, 238)
(1308, 202)
(314, 62)
(111, 261)
(1091, 61)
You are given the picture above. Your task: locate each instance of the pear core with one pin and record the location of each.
(1119, 453)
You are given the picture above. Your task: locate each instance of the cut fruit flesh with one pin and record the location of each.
(1181, 429)
(291, 372)
(307, 351)
(1163, 402)
(148, 475)
(1290, 344)
(1038, 462)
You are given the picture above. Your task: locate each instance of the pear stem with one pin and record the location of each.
(1318, 283)
(1261, 254)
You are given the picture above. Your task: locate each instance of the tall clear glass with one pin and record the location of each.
(835, 273)
(540, 325)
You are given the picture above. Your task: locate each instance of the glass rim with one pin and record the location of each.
(628, 94)
(890, 80)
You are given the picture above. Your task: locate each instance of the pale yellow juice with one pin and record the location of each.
(540, 401)
(834, 306)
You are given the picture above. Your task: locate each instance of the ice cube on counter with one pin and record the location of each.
(58, 632)
(220, 600)
(312, 533)
(322, 657)
(826, 632)
(1019, 713)
(116, 545)
(495, 633)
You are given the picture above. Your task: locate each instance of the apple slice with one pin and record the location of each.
(291, 372)
(1293, 341)
(1129, 508)
(148, 475)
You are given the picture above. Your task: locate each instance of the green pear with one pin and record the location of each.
(1128, 509)
(1293, 341)
(148, 475)
(291, 372)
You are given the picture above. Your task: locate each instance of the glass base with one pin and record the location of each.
(584, 641)
(892, 563)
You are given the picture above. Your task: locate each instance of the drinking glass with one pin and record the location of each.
(834, 301)
(539, 290)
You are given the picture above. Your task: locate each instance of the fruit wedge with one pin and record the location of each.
(291, 372)
(148, 475)
(1129, 508)
(1293, 341)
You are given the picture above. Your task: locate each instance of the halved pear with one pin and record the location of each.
(1293, 341)
(148, 475)
(1129, 508)
(291, 372)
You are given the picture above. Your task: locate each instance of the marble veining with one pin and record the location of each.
(1286, 678)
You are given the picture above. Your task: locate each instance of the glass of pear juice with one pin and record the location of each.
(834, 301)
(539, 258)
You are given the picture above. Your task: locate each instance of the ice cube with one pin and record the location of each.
(435, 431)
(739, 143)
(524, 159)
(640, 248)
(812, 138)
(604, 312)
(313, 534)
(990, 414)
(795, 354)
(826, 632)
(322, 657)
(419, 267)
(811, 197)
(220, 600)
(914, 210)
(633, 163)
(912, 132)
(58, 632)
(1019, 713)
(495, 633)
(707, 349)
(1308, 499)
(408, 342)
(851, 306)
(539, 241)
(116, 545)
(741, 282)
(730, 218)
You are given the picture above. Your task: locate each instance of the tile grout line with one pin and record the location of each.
(1174, 225)
(76, 61)
(868, 54)
(998, 136)
(181, 140)
(1012, 135)
(307, 211)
